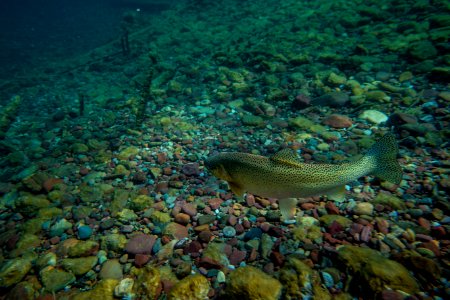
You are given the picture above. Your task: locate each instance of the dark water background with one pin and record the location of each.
(34, 31)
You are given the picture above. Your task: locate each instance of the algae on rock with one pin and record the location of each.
(192, 287)
(301, 282)
(251, 283)
(373, 271)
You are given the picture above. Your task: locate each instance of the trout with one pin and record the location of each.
(283, 176)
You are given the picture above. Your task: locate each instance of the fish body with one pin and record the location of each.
(284, 176)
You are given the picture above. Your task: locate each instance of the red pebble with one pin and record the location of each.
(232, 220)
(253, 255)
(239, 228)
(265, 227)
(215, 203)
(307, 206)
(315, 256)
(193, 248)
(189, 208)
(205, 236)
(237, 256)
(438, 232)
(167, 171)
(209, 263)
(383, 226)
(277, 258)
(246, 224)
(141, 259)
(338, 121)
(84, 171)
(50, 183)
(366, 234)
(424, 223)
(335, 227)
(55, 240)
(433, 247)
(182, 218)
(331, 208)
(161, 158)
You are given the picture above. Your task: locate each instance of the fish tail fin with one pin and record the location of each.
(384, 156)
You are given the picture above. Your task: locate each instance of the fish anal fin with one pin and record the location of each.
(236, 189)
(337, 194)
(287, 156)
(288, 208)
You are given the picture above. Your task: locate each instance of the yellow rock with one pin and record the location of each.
(165, 121)
(12, 271)
(160, 217)
(127, 152)
(121, 170)
(192, 287)
(148, 282)
(251, 283)
(48, 213)
(375, 272)
(103, 290)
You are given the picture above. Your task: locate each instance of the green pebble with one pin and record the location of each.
(55, 280)
(79, 266)
(12, 271)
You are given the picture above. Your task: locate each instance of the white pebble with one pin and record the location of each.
(124, 288)
(374, 116)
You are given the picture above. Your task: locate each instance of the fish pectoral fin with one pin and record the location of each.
(288, 157)
(288, 208)
(236, 189)
(337, 194)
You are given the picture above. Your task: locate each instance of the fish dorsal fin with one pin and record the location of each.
(288, 157)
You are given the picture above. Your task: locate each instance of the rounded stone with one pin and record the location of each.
(79, 266)
(84, 232)
(363, 208)
(191, 287)
(229, 231)
(111, 269)
(13, 271)
(141, 244)
(252, 283)
(373, 116)
(55, 280)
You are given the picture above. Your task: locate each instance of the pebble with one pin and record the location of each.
(141, 244)
(12, 271)
(182, 218)
(334, 99)
(60, 227)
(189, 209)
(141, 259)
(363, 208)
(229, 231)
(111, 269)
(84, 232)
(54, 279)
(124, 288)
(327, 279)
(374, 116)
(175, 230)
(79, 266)
(338, 121)
(254, 233)
(205, 236)
(206, 219)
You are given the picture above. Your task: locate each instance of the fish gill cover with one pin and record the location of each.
(103, 185)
